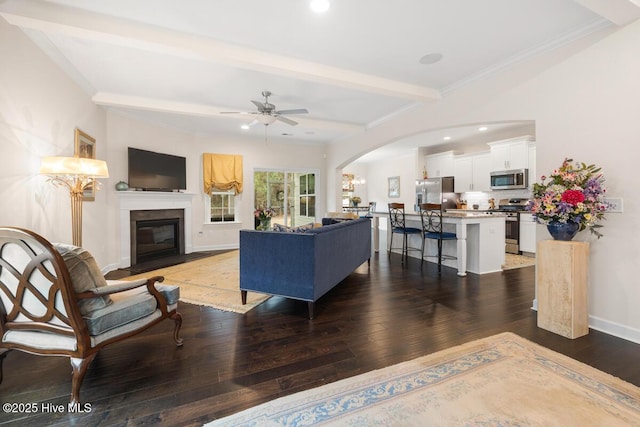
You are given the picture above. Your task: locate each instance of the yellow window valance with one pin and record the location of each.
(222, 172)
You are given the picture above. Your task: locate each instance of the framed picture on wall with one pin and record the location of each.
(394, 186)
(85, 147)
(347, 182)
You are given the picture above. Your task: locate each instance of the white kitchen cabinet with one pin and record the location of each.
(527, 233)
(463, 173)
(472, 172)
(481, 172)
(510, 154)
(440, 164)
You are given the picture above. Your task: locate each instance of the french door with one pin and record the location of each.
(292, 195)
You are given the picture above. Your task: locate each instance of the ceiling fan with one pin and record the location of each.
(267, 112)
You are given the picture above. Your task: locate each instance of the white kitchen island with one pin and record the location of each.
(480, 247)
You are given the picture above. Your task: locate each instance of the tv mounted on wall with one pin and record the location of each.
(151, 171)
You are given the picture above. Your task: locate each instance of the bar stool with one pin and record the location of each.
(431, 216)
(399, 226)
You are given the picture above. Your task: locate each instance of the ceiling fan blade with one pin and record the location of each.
(258, 104)
(287, 121)
(296, 111)
(232, 112)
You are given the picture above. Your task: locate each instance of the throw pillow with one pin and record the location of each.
(299, 229)
(85, 275)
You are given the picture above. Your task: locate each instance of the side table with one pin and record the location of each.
(561, 277)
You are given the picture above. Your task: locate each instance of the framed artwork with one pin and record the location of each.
(394, 186)
(347, 182)
(86, 149)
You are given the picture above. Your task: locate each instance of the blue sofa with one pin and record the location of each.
(302, 266)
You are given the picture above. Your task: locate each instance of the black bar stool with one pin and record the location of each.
(431, 216)
(399, 226)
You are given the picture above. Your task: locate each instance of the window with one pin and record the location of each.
(223, 206)
(292, 195)
(307, 205)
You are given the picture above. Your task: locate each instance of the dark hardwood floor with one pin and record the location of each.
(376, 317)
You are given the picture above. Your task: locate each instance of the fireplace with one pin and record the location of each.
(155, 202)
(156, 234)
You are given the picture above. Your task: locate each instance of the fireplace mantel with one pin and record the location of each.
(151, 200)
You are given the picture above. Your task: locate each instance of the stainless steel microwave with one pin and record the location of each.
(517, 179)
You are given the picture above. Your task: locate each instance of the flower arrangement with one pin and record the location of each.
(572, 193)
(355, 200)
(264, 213)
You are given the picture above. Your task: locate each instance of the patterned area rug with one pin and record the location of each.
(502, 380)
(213, 281)
(512, 261)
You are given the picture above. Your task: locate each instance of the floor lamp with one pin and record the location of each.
(76, 174)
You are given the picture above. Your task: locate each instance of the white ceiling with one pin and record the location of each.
(181, 63)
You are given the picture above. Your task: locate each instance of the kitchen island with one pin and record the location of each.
(480, 247)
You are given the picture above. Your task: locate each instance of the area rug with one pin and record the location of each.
(212, 281)
(503, 380)
(512, 261)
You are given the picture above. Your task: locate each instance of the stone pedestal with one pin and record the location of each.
(561, 278)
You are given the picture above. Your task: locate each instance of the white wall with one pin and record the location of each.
(378, 178)
(585, 107)
(39, 110)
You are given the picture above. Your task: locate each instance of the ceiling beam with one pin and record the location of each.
(73, 22)
(159, 105)
(620, 12)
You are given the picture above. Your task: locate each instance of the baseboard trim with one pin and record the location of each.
(216, 247)
(608, 327)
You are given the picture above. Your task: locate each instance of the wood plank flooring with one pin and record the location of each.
(378, 316)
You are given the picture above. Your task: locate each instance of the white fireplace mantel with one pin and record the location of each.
(151, 200)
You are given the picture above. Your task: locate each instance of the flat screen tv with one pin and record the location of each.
(151, 171)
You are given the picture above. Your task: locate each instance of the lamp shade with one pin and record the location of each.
(74, 166)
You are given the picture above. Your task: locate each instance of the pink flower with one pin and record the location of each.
(573, 197)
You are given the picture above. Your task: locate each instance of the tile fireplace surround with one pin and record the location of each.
(150, 200)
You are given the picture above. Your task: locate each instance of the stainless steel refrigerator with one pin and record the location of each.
(435, 190)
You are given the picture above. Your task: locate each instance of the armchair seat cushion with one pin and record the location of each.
(127, 307)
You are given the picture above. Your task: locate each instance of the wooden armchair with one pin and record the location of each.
(54, 300)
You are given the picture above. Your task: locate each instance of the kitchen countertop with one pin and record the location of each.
(466, 213)
(456, 213)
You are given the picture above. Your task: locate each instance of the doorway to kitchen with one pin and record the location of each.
(290, 194)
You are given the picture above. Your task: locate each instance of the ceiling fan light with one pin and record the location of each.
(319, 6)
(265, 119)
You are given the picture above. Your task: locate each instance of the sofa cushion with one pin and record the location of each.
(85, 275)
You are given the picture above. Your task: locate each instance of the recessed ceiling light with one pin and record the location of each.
(447, 138)
(319, 6)
(244, 127)
(482, 128)
(431, 58)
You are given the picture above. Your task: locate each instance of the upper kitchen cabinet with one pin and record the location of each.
(472, 172)
(510, 154)
(440, 164)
